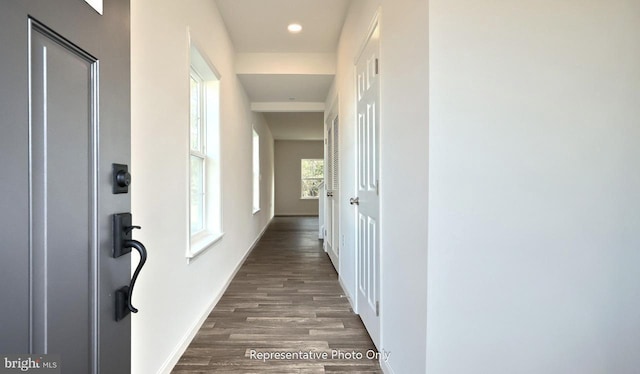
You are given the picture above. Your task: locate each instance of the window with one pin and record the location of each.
(312, 175)
(205, 213)
(256, 172)
(198, 153)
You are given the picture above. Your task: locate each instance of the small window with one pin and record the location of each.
(198, 153)
(205, 210)
(256, 172)
(312, 175)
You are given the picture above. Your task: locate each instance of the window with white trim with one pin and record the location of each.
(256, 172)
(312, 175)
(198, 157)
(205, 211)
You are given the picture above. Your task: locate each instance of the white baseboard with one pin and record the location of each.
(335, 259)
(384, 365)
(174, 357)
(386, 369)
(297, 215)
(346, 293)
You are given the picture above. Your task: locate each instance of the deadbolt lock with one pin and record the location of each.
(121, 179)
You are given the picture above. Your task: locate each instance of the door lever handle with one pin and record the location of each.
(122, 244)
(125, 293)
(131, 228)
(354, 201)
(143, 258)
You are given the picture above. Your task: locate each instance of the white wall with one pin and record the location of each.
(288, 154)
(404, 170)
(295, 125)
(534, 205)
(174, 295)
(286, 63)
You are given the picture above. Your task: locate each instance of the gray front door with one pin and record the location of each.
(64, 119)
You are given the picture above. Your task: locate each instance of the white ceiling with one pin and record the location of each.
(296, 126)
(283, 69)
(284, 87)
(261, 25)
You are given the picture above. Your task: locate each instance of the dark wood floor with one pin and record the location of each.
(285, 298)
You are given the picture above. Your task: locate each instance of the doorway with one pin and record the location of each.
(367, 201)
(332, 220)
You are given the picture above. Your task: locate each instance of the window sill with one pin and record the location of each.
(310, 198)
(201, 242)
(256, 211)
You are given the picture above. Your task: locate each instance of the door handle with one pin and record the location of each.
(354, 201)
(122, 244)
(127, 291)
(329, 194)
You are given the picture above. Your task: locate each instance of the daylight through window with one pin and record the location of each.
(312, 175)
(205, 212)
(256, 172)
(198, 153)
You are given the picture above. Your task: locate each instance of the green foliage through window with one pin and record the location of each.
(312, 175)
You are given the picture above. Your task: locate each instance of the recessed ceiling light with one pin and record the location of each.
(294, 28)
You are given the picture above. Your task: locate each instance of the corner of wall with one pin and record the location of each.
(403, 169)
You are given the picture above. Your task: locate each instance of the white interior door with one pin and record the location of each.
(367, 200)
(335, 188)
(328, 188)
(332, 188)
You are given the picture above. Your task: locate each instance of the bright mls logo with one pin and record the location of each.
(49, 364)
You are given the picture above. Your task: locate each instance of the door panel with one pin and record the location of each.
(63, 248)
(368, 230)
(65, 113)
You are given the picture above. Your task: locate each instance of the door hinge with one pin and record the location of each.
(377, 187)
(377, 309)
(325, 141)
(377, 67)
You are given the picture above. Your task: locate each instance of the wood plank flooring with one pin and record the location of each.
(285, 299)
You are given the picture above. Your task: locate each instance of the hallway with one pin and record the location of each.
(285, 298)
